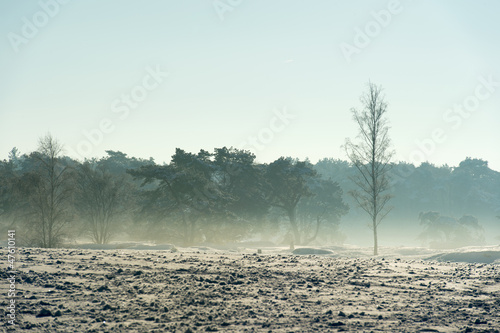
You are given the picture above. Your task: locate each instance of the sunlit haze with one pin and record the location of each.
(250, 165)
(276, 77)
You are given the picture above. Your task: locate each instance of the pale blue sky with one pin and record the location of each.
(227, 77)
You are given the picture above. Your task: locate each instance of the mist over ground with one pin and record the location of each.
(225, 197)
(249, 166)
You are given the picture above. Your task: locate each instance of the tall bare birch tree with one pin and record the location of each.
(48, 190)
(371, 155)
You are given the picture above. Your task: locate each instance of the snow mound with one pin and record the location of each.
(309, 250)
(127, 246)
(483, 257)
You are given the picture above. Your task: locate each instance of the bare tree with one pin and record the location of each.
(47, 190)
(371, 156)
(100, 196)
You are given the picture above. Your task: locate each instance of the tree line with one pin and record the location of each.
(219, 196)
(226, 196)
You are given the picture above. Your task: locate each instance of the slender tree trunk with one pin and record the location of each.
(375, 240)
(293, 223)
(186, 229)
(318, 223)
(374, 187)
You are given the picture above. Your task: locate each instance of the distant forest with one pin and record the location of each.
(225, 196)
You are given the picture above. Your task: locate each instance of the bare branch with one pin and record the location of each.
(371, 157)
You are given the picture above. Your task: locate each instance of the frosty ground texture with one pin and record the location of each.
(206, 290)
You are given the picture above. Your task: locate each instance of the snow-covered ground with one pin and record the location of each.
(471, 254)
(139, 287)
